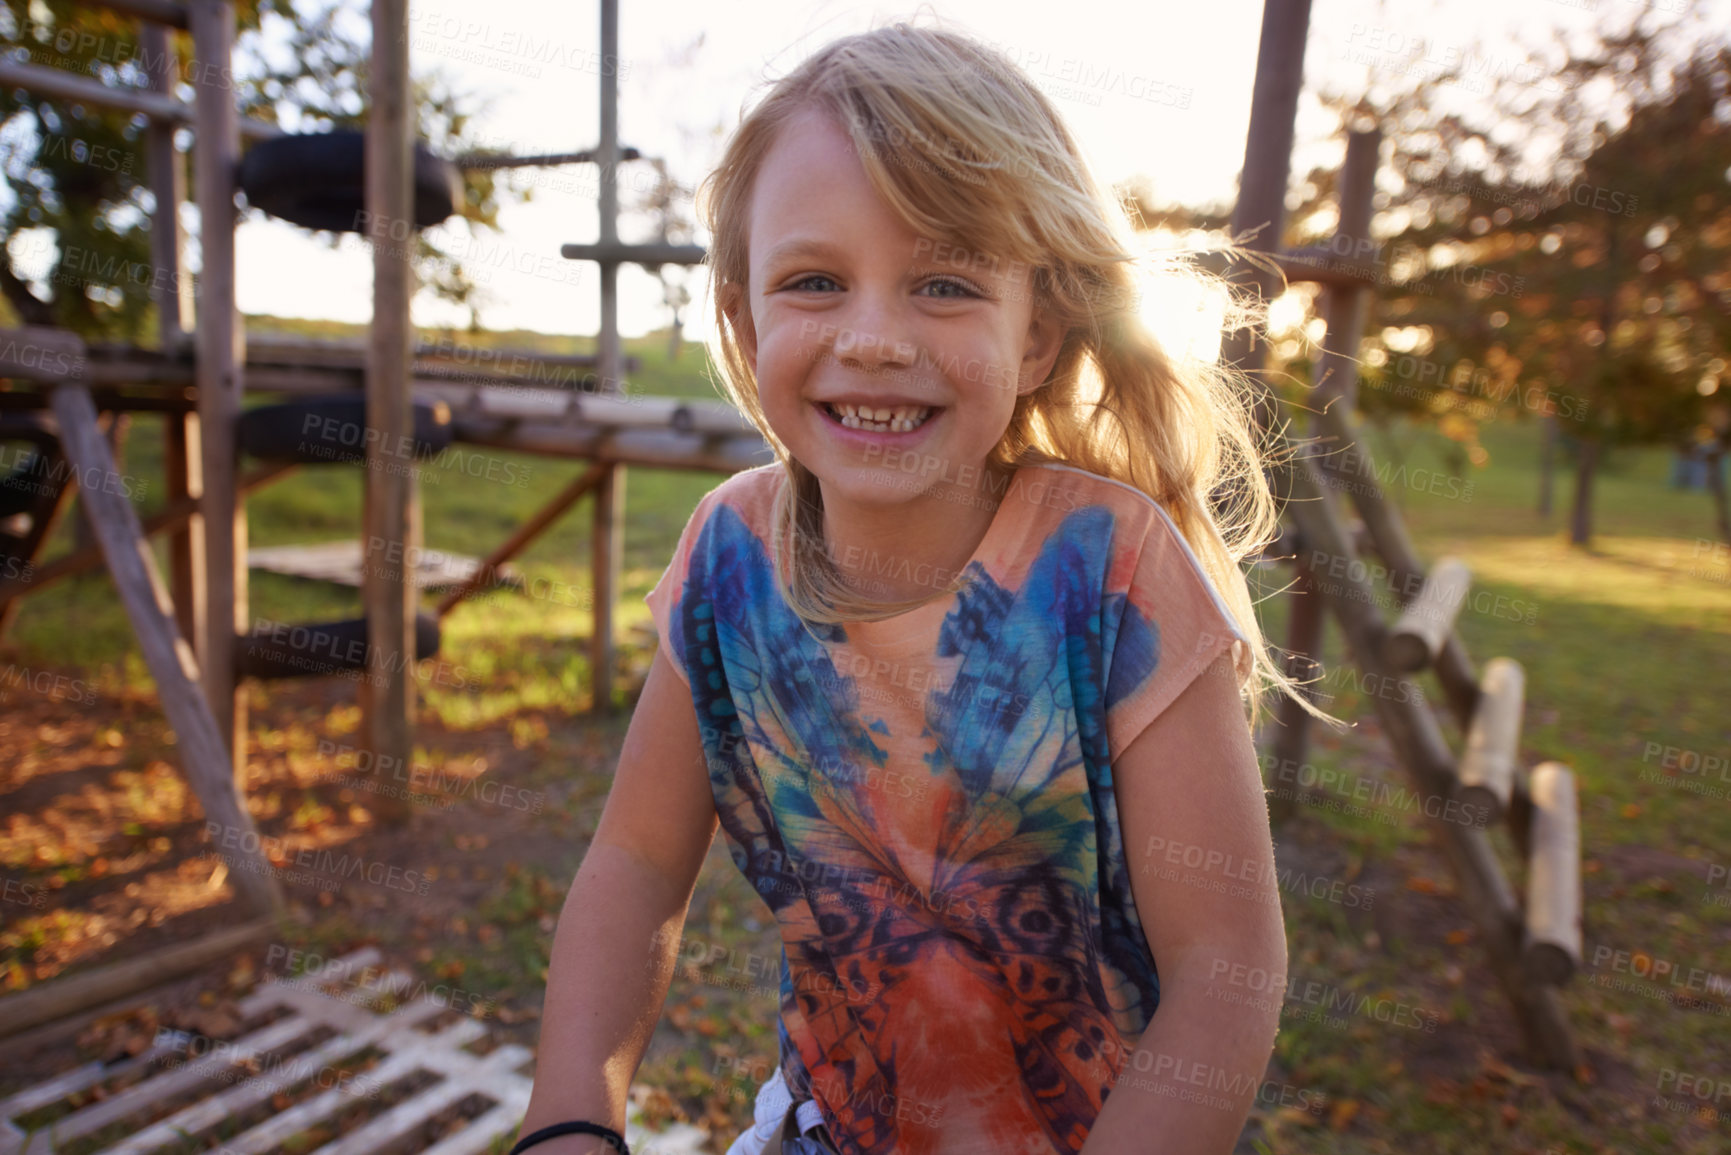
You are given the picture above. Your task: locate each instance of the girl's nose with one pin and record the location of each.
(875, 333)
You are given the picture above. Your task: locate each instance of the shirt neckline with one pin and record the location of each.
(873, 631)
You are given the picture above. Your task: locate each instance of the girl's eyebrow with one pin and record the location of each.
(800, 247)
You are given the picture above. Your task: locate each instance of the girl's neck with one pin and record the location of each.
(911, 549)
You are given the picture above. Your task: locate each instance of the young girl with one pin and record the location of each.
(962, 674)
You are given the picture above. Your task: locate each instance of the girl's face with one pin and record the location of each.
(888, 363)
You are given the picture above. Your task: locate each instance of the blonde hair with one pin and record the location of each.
(961, 145)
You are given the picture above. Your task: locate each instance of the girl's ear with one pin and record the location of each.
(737, 309)
(1040, 351)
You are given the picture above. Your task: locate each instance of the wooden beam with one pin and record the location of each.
(204, 756)
(73, 993)
(220, 356)
(1417, 639)
(526, 533)
(63, 85)
(389, 597)
(1553, 926)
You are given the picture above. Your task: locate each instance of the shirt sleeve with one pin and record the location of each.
(1173, 626)
(664, 598)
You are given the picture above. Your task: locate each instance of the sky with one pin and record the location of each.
(1158, 91)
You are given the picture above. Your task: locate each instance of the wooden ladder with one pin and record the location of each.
(1534, 946)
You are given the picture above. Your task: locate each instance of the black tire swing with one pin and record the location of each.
(318, 181)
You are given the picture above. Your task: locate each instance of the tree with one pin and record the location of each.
(1599, 301)
(77, 174)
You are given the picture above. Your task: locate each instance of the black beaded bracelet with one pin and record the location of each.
(614, 1138)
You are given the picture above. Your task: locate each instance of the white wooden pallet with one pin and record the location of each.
(407, 1051)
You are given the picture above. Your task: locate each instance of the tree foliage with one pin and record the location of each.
(78, 214)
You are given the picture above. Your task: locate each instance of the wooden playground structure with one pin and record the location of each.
(194, 629)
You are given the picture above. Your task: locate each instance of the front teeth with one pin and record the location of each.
(902, 419)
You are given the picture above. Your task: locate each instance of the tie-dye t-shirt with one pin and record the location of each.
(926, 803)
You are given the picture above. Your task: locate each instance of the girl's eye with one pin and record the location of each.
(806, 283)
(952, 288)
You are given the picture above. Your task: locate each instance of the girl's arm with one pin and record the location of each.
(618, 935)
(1195, 827)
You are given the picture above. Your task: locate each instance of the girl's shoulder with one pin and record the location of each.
(751, 490)
(1058, 490)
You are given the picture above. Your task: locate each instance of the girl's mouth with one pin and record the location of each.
(895, 419)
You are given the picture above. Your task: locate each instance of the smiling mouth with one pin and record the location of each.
(899, 419)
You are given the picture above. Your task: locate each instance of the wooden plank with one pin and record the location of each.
(42, 353)
(1487, 776)
(1425, 625)
(655, 448)
(77, 1079)
(67, 995)
(187, 1076)
(502, 1119)
(169, 657)
(462, 1079)
(1553, 924)
(341, 562)
(393, 1031)
(220, 355)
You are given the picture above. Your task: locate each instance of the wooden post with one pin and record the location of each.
(607, 204)
(1336, 377)
(221, 357)
(1267, 162)
(1553, 938)
(1487, 778)
(1345, 305)
(1304, 631)
(182, 453)
(388, 594)
(607, 545)
(608, 536)
(204, 756)
(1417, 639)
